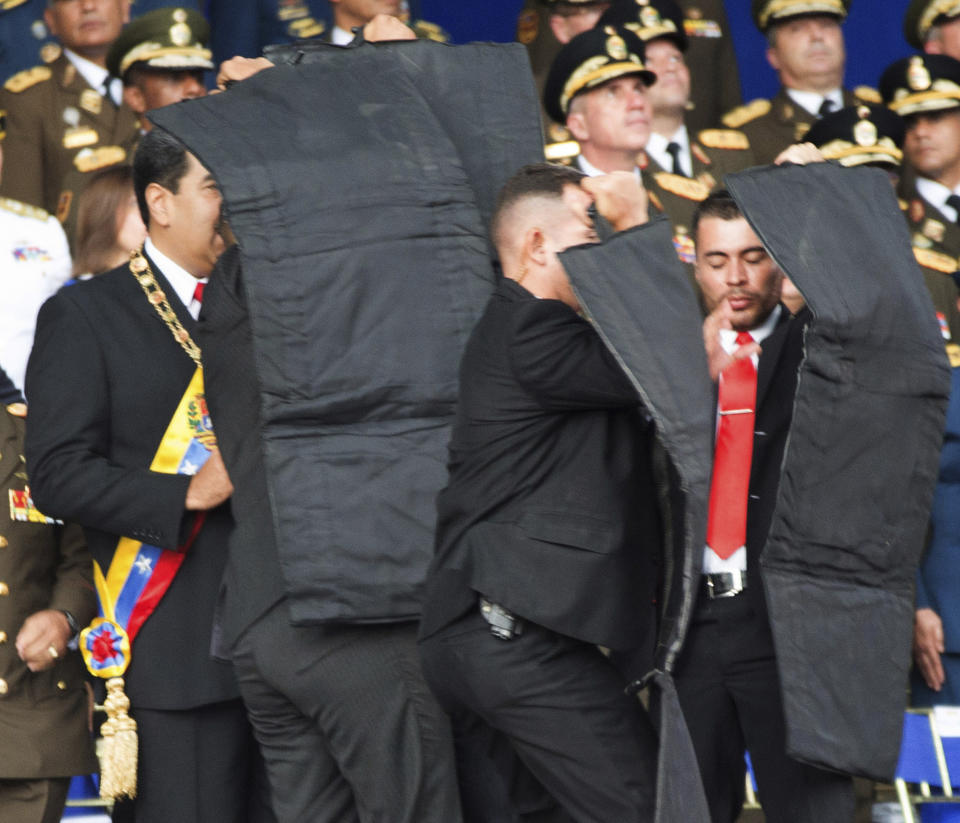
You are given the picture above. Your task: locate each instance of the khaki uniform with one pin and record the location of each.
(936, 245)
(715, 153)
(52, 115)
(715, 78)
(772, 125)
(43, 715)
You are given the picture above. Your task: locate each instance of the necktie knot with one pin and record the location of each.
(826, 106)
(673, 149)
(198, 292)
(743, 338)
(954, 202)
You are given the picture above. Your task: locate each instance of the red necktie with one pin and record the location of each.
(198, 292)
(727, 521)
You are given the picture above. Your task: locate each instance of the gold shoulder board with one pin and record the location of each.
(953, 353)
(99, 158)
(867, 94)
(561, 152)
(682, 186)
(724, 139)
(938, 261)
(737, 117)
(23, 209)
(430, 31)
(23, 80)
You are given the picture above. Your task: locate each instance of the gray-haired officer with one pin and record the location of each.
(806, 49)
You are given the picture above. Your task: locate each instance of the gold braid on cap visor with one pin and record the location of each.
(595, 70)
(789, 8)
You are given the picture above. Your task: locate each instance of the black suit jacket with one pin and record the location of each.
(550, 508)
(780, 357)
(104, 379)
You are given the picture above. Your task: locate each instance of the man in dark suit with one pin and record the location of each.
(113, 363)
(727, 673)
(548, 530)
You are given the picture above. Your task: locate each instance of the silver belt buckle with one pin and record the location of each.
(725, 584)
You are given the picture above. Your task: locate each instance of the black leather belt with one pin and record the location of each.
(724, 584)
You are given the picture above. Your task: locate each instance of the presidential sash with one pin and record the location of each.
(138, 577)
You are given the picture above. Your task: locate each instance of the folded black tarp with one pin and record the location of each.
(860, 462)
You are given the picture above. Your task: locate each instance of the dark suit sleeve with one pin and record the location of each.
(68, 439)
(560, 359)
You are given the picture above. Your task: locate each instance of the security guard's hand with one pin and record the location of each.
(387, 27)
(43, 639)
(800, 154)
(619, 198)
(240, 68)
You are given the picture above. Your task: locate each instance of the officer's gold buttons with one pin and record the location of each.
(62, 685)
(3, 542)
(3, 638)
(4, 688)
(4, 589)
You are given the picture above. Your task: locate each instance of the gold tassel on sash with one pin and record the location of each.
(118, 757)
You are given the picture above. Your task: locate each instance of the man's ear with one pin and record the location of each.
(535, 246)
(158, 204)
(773, 58)
(51, 21)
(133, 97)
(577, 125)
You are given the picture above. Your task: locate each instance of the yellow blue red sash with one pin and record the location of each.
(140, 574)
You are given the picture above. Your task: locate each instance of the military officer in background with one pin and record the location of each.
(36, 262)
(57, 110)
(933, 26)
(925, 91)
(681, 166)
(545, 25)
(160, 57)
(806, 49)
(46, 594)
(598, 88)
(26, 40)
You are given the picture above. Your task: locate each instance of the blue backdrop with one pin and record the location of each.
(874, 35)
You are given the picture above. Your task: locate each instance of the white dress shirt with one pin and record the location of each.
(936, 195)
(657, 149)
(811, 100)
(184, 284)
(96, 76)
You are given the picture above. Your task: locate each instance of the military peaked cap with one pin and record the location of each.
(648, 19)
(589, 60)
(165, 38)
(924, 82)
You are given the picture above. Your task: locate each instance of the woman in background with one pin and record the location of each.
(108, 223)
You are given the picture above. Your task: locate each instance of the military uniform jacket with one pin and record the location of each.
(715, 153)
(43, 715)
(715, 86)
(936, 246)
(772, 125)
(53, 117)
(104, 379)
(35, 263)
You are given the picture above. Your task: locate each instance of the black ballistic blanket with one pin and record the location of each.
(636, 293)
(860, 463)
(359, 187)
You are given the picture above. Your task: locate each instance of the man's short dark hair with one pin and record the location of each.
(162, 159)
(536, 180)
(718, 204)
